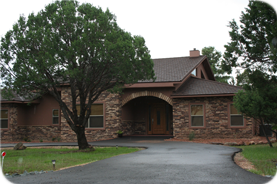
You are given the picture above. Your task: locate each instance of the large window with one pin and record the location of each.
(235, 116)
(96, 119)
(55, 116)
(197, 115)
(4, 119)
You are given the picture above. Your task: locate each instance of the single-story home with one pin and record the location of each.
(185, 98)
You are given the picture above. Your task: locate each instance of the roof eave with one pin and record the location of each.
(202, 95)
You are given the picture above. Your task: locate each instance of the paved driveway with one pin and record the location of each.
(161, 162)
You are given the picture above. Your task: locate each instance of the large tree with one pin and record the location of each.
(258, 101)
(77, 45)
(214, 58)
(253, 48)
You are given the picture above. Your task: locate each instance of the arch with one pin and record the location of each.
(147, 93)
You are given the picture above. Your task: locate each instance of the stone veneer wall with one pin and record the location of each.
(18, 133)
(112, 118)
(216, 119)
(10, 134)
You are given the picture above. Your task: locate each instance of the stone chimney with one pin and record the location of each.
(194, 53)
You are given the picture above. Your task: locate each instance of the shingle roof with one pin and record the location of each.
(174, 69)
(16, 97)
(196, 86)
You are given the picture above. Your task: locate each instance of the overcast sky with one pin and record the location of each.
(170, 28)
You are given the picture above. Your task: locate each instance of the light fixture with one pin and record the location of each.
(53, 162)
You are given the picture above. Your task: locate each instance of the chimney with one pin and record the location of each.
(194, 53)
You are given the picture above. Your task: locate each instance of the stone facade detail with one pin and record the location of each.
(216, 116)
(112, 118)
(147, 93)
(33, 133)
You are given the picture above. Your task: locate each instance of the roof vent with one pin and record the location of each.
(194, 53)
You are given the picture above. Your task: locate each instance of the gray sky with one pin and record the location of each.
(170, 28)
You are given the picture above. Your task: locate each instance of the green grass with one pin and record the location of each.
(263, 157)
(36, 159)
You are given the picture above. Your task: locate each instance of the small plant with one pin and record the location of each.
(40, 140)
(119, 132)
(53, 139)
(191, 136)
(26, 139)
(59, 139)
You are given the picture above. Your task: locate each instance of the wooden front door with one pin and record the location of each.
(158, 120)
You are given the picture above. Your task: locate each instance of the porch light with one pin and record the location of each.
(53, 162)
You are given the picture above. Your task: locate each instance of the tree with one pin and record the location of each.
(214, 58)
(253, 48)
(78, 45)
(253, 44)
(258, 101)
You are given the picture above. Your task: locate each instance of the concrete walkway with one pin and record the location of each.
(162, 162)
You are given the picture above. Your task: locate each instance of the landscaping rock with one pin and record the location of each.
(19, 146)
(15, 175)
(251, 142)
(231, 143)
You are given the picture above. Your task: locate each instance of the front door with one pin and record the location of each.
(158, 120)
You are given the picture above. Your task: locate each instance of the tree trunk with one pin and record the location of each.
(266, 136)
(81, 137)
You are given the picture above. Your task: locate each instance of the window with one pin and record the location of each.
(96, 119)
(55, 116)
(235, 116)
(194, 72)
(4, 119)
(197, 115)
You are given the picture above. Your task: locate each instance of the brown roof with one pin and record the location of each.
(197, 86)
(174, 69)
(16, 97)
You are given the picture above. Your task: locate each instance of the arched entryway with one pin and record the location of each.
(147, 115)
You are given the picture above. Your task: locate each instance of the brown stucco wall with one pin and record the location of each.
(198, 71)
(112, 118)
(38, 114)
(216, 117)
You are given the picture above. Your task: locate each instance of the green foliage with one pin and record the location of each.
(77, 45)
(191, 136)
(59, 139)
(254, 41)
(53, 139)
(119, 132)
(214, 58)
(26, 139)
(41, 140)
(36, 159)
(258, 100)
(263, 158)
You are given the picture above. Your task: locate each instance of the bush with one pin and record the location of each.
(54, 138)
(191, 136)
(59, 139)
(40, 140)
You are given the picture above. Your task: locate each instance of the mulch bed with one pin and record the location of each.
(229, 142)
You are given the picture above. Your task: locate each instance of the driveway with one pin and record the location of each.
(161, 162)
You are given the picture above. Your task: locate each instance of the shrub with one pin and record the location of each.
(40, 140)
(54, 138)
(59, 139)
(191, 136)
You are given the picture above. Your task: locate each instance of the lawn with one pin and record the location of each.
(263, 157)
(37, 159)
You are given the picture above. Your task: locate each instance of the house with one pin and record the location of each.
(184, 98)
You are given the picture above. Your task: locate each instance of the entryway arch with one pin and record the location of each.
(147, 93)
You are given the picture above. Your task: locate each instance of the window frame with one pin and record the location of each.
(55, 116)
(6, 118)
(229, 118)
(204, 115)
(104, 117)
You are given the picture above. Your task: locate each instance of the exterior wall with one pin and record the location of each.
(216, 116)
(17, 132)
(38, 114)
(10, 132)
(112, 118)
